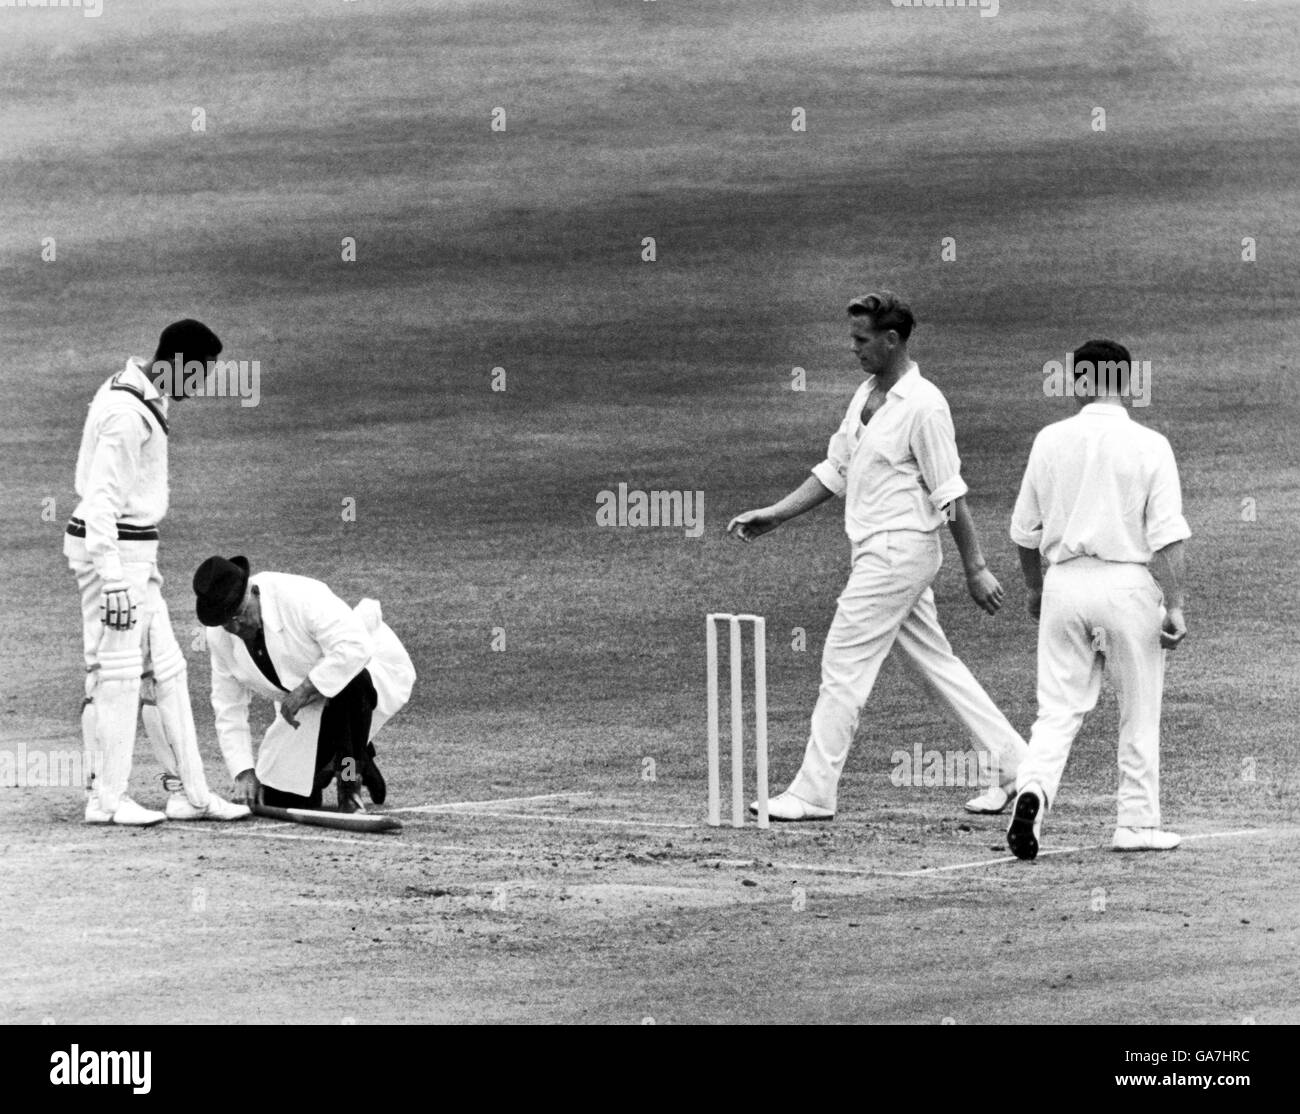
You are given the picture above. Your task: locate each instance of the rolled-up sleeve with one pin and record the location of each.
(934, 444)
(1027, 517)
(230, 704)
(345, 644)
(834, 470)
(121, 436)
(1163, 515)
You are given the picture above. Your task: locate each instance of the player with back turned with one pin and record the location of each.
(134, 665)
(1100, 503)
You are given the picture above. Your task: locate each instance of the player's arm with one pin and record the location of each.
(345, 645)
(230, 705)
(1031, 567)
(828, 478)
(751, 524)
(934, 445)
(1169, 567)
(982, 584)
(118, 442)
(1027, 533)
(1166, 530)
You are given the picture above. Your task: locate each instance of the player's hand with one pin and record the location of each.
(294, 703)
(752, 524)
(985, 590)
(118, 605)
(1173, 629)
(1034, 601)
(246, 788)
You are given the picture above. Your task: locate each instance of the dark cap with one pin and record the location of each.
(219, 585)
(189, 338)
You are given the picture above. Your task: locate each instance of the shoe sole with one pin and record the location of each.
(794, 819)
(1020, 836)
(986, 811)
(209, 819)
(144, 824)
(1135, 850)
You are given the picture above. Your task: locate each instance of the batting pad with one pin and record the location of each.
(169, 723)
(116, 698)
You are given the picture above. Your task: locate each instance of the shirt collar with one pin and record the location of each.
(1105, 410)
(905, 384)
(134, 374)
(271, 618)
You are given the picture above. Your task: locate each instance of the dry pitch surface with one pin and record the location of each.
(585, 892)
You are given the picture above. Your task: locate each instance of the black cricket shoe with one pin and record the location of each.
(349, 800)
(1026, 824)
(374, 782)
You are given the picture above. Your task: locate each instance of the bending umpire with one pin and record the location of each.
(291, 639)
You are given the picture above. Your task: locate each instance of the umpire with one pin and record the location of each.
(336, 674)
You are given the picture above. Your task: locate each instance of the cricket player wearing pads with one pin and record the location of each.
(134, 665)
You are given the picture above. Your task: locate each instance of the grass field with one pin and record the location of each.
(606, 899)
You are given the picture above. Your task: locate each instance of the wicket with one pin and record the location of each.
(737, 718)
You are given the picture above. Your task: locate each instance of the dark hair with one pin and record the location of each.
(190, 338)
(886, 310)
(1098, 352)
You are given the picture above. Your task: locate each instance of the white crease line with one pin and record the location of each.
(494, 801)
(254, 832)
(980, 862)
(541, 817)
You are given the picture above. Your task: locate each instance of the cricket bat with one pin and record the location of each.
(346, 821)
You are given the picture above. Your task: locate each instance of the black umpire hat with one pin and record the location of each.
(219, 584)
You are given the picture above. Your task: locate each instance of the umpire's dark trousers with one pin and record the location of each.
(344, 744)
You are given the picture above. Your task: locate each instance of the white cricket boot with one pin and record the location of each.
(179, 806)
(1144, 839)
(95, 812)
(788, 808)
(992, 801)
(131, 815)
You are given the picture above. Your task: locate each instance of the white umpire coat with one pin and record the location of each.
(309, 632)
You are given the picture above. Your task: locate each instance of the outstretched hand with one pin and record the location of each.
(752, 524)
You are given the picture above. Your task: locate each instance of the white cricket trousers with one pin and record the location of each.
(117, 662)
(886, 603)
(1100, 616)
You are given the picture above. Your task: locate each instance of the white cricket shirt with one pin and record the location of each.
(1099, 485)
(901, 469)
(121, 466)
